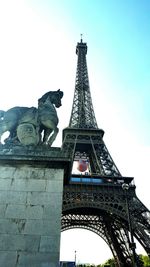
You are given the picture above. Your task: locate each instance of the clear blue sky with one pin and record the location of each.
(37, 54)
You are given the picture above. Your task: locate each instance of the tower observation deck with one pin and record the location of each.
(83, 138)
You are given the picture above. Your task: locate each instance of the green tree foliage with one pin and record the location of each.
(109, 263)
(146, 260)
(142, 261)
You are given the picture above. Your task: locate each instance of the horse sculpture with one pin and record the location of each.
(30, 126)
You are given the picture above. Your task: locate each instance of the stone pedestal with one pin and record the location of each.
(31, 187)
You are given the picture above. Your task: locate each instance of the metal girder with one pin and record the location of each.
(103, 208)
(82, 115)
(90, 142)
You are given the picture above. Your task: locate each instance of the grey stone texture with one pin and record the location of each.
(8, 258)
(31, 187)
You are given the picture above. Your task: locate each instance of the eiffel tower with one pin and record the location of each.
(99, 198)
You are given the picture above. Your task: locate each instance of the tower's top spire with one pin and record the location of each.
(82, 46)
(82, 115)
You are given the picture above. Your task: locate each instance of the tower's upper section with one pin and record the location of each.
(82, 115)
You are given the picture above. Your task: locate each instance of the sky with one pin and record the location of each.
(37, 54)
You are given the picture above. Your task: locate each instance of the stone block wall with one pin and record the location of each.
(30, 214)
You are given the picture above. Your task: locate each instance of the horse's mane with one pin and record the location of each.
(48, 94)
(44, 97)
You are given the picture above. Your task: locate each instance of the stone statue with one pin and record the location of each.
(32, 126)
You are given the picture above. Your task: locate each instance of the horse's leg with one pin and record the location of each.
(3, 129)
(9, 123)
(47, 133)
(53, 136)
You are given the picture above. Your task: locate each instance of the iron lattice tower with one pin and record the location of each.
(82, 115)
(96, 199)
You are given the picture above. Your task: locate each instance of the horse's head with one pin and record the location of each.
(53, 96)
(56, 98)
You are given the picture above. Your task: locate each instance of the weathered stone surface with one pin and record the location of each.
(42, 227)
(24, 211)
(12, 197)
(38, 260)
(43, 198)
(54, 186)
(28, 134)
(47, 243)
(11, 226)
(8, 259)
(2, 210)
(11, 242)
(50, 211)
(5, 184)
(5, 171)
(31, 187)
(28, 173)
(28, 185)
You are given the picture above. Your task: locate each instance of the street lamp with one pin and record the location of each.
(132, 244)
(75, 257)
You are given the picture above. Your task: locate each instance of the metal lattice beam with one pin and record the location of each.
(102, 210)
(104, 207)
(82, 115)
